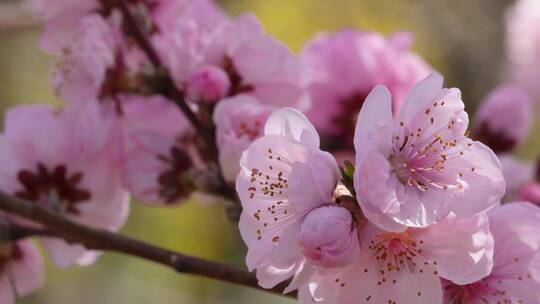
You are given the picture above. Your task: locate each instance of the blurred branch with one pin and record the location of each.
(17, 15)
(91, 238)
(172, 92)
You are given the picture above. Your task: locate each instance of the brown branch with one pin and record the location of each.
(172, 92)
(105, 240)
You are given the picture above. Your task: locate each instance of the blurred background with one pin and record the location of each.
(462, 39)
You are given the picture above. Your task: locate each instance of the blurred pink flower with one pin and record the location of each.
(275, 170)
(347, 65)
(66, 160)
(523, 45)
(239, 121)
(64, 21)
(79, 75)
(416, 169)
(406, 267)
(530, 193)
(208, 84)
(167, 14)
(157, 160)
(516, 270)
(517, 173)
(328, 237)
(504, 118)
(21, 270)
(255, 63)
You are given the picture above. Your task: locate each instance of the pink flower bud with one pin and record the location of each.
(208, 84)
(328, 237)
(504, 118)
(530, 193)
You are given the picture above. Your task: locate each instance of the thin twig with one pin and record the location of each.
(105, 240)
(172, 92)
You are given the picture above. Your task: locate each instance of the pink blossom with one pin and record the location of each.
(157, 160)
(255, 63)
(64, 21)
(517, 173)
(21, 270)
(415, 169)
(347, 65)
(275, 170)
(239, 121)
(167, 14)
(208, 84)
(406, 267)
(523, 45)
(530, 193)
(328, 237)
(79, 74)
(516, 270)
(504, 118)
(68, 161)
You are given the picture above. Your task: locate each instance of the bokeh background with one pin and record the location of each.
(462, 39)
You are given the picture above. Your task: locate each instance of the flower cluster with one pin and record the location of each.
(420, 224)
(394, 202)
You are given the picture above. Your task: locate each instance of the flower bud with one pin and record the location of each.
(328, 237)
(530, 193)
(504, 118)
(208, 84)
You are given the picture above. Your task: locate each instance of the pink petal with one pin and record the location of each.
(28, 273)
(463, 249)
(424, 93)
(292, 124)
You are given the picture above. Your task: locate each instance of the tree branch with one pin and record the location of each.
(105, 240)
(172, 91)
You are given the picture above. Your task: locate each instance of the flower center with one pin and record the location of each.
(251, 130)
(39, 186)
(175, 182)
(463, 294)
(346, 119)
(237, 83)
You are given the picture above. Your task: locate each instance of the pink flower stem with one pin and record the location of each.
(100, 239)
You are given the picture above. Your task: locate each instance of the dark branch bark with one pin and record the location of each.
(91, 238)
(172, 92)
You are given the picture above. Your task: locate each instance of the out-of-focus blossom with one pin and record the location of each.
(415, 169)
(347, 65)
(21, 270)
(406, 267)
(157, 161)
(64, 21)
(530, 193)
(523, 45)
(275, 170)
(67, 161)
(328, 237)
(208, 84)
(255, 63)
(168, 14)
(504, 118)
(79, 75)
(516, 271)
(517, 174)
(239, 121)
